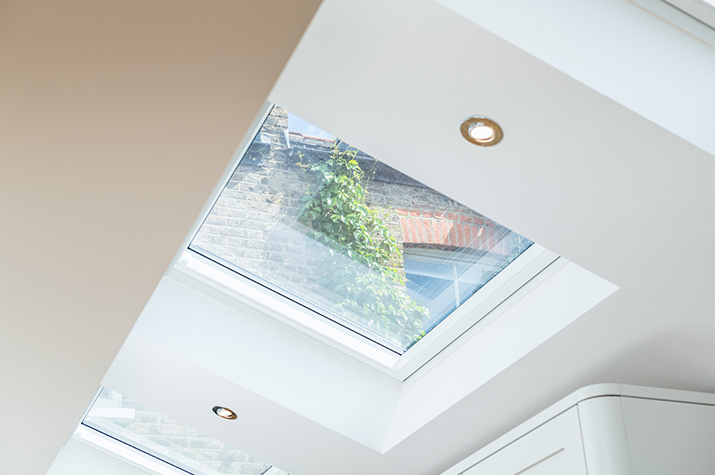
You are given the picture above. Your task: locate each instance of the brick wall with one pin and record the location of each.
(253, 222)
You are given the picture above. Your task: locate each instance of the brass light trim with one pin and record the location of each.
(484, 123)
(224, 412)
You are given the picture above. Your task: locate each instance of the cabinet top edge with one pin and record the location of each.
(580, 395)
(640, 392)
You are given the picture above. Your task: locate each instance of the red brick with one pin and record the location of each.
(459, 229)
(415, 212)
(452, 235)
(438, 238)
(476, 220)
(405, 230)
(401, 211)
(428, 229)
(419, 225)
(465, 219)
(413, 233)
(452, 216)
(491, 223)
(446, 228)
(427, 214)
(469, 235)
(438, 214)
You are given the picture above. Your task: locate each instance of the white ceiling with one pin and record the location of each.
(577, 172)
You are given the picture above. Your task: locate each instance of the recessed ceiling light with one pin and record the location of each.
(224, 412)
(481, 131)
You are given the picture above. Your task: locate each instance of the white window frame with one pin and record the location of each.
(97, 440)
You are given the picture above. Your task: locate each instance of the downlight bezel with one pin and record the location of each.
(472, 127)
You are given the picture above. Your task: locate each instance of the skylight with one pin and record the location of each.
(328, 226)
(165, 439)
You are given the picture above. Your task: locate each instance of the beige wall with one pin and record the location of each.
(113, 113)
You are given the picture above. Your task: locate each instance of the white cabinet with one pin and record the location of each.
(607, 430)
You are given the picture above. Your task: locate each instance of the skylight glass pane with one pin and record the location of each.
(340, 232)
(177, 444)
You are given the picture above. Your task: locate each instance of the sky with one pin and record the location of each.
(296, 124)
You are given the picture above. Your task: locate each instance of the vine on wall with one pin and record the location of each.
(373, 289)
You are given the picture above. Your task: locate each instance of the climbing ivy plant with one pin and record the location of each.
(371, 283)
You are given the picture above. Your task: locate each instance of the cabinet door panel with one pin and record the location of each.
(670, 438)
(552, 449)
